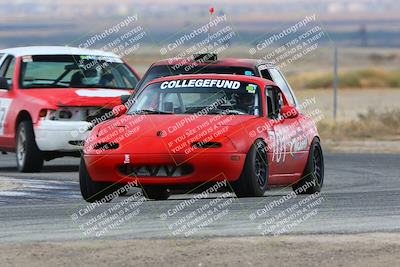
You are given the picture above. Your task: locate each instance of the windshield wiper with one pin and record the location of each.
(148, 111)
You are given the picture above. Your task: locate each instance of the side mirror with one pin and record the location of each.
(124, 98)
(289, 112)
(119, 110)
(4, 83)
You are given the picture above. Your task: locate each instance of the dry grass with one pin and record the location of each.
(371, 125)
(363, 114)
(366, 78)
(352, 102)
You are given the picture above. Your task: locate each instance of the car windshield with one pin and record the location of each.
(170, 70)
(198, 96)
(81, 71)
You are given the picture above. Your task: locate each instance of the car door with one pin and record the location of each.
(300, 131)
(7, 69)
(284, 134)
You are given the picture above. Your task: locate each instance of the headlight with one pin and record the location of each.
(64, 114)
(54, 115)
(94, 115)
(47, 114)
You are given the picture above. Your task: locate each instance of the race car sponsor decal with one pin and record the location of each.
(279, 147)
(101, 58)
(298, 143)
(101, 93)
(127, 159)
(251, 88)
(201, 83)
(248, 73)
(5, 104)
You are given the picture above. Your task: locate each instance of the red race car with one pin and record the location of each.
(210, 63)
(187, 130)
(50, 98)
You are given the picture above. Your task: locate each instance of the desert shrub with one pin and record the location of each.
(394, 80)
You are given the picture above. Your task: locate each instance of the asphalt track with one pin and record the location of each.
(361, 194)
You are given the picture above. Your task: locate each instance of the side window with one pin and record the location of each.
(7, 69)
(274, 101)
(4, 66)
(265, 73)
(277, 77)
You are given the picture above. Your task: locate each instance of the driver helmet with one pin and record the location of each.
(91, 77)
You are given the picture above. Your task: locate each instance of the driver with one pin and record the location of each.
(245, 102)
(90, 77)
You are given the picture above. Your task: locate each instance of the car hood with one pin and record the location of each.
(176, 125)
(80, 97)
(167, 133)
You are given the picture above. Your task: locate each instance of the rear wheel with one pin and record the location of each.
(156, 192)
(313, 175)
(92, 191)
(29, 157)
(253, 181)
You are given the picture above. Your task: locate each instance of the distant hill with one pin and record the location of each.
(351, 23)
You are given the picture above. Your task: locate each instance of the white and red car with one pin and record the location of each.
(51, 97)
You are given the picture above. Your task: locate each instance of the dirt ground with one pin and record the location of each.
(351, 102)
(365, 250)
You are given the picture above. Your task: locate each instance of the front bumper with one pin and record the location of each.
(206, 167)
(63, 136)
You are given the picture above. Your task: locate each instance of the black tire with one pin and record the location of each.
(156, 192)
(313, 176)
(123, 193)
(253, 181)
(92, 191)
(29, 157)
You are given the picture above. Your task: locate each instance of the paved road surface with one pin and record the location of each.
(361, 194)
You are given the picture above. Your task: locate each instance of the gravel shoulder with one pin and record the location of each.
(376, 249)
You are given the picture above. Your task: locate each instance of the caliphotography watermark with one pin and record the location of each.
(200, 211)
(123, 38)
(284, 214)
(98, 219)
(213, 37)
(290, 44)
(198, 129)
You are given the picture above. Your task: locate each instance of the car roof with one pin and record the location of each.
(54, 50)
(232, 62)
(253, 79)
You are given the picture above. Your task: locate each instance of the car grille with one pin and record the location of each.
(156, 170)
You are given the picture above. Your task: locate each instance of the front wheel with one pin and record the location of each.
(92, 191)
(29, 157)
(313, 175)
(253, 181)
